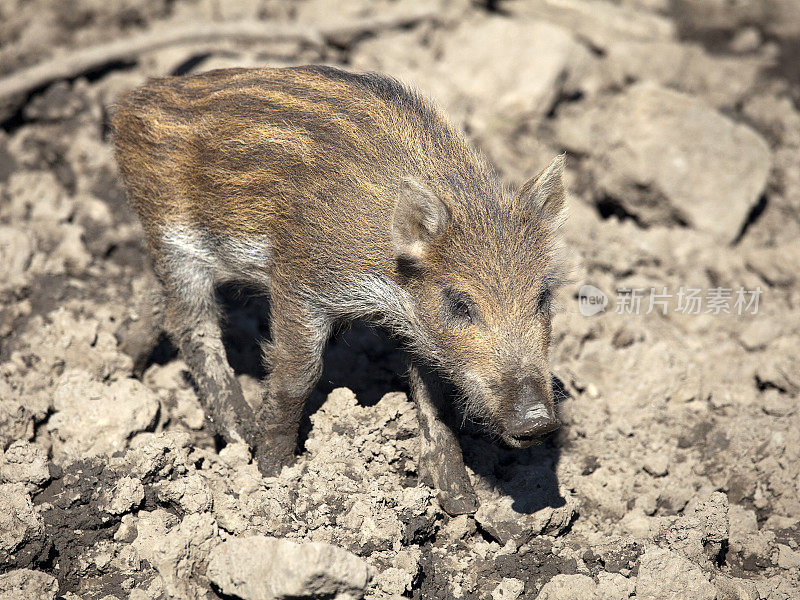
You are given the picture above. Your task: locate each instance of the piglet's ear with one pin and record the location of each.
(546, 193)
(419, 218)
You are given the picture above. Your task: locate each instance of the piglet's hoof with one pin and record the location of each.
(270, 463)
(459, 504)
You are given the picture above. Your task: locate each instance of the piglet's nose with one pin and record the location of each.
(534, 422)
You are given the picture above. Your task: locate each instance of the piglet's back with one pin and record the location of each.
(249, 151)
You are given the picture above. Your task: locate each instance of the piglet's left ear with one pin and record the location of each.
(546, 193)
(419, 218)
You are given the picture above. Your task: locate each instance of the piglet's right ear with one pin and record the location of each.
(419, 218)
(546, 193)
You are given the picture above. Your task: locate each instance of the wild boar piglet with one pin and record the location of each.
(344, 196)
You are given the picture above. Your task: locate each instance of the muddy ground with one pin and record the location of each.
(677, 473)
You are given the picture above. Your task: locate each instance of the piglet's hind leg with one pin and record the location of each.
(192, 320)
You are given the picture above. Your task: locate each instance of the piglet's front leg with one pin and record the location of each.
(441, 464)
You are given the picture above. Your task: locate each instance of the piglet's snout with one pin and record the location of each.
(532, 419)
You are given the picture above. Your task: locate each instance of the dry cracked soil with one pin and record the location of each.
(677, 471)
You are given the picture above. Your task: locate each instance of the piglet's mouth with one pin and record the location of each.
(531, 431)
(523, 441)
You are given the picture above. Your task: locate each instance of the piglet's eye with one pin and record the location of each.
(461, 310)
(459, 307)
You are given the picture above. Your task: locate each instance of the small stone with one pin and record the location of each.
(191, 494)
(734, 588)
(261, 568)
(531, 505)
(96, 418)
(394, 581)
(16, 251)
(613, 586)
(624, 427)
(177, 549)
(26, 584)
(127, 494)
(236, 455)
(702, 532)
(665, 574)
(657, 464)
(758, 332)
(158, 455)
(788, 558)
(458, 528)
(508, 589)
(746, 40)
(22, 536)
(126, 532)
(568, 587)
(24, 463)
(778, 405)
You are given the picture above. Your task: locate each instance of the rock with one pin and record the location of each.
(734, 588)
(746, 544)
(16, 252)
(530, 504)
(508, 589)
(775, 117)
(781, 368)
(190, 494)
(777, 404)
(126, 495)
(70, 255)
(619, 555)
(778, 267)
(458, 528)
(24, 463)
(472, 75)
(568, 587)
(760, 331)
(721, 81)
(665, 574)
(518, 78)
(614, 586)
(24, 400)
(86, 343)
(400, 577)
(702, 532)
(788, 558)
(777, 587)
(667, 158)
(26, 584)
(22, 535)
(94, 418)
(778, 17)
(599, 23)
(37, 195)
(746, 40)
(656, 464)
(265, 568)
(158, 455)
(177, 550)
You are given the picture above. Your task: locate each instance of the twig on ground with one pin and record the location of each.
(69, 64)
